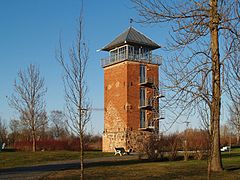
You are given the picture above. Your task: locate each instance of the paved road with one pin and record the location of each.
(40, 171)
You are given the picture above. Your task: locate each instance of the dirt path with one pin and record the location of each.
(40, 171)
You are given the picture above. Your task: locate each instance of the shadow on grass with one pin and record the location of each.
(115, 163)
(40, 168)
(231, 154)
(8, 150)
(67, 166)
(76, 165)
(232, 168)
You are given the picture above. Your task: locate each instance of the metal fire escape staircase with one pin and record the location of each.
(151, 105)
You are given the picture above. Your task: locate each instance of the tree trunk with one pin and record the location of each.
(81, 156)
(216, 161)
(34, 141)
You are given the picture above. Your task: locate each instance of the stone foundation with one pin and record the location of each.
(126, 139)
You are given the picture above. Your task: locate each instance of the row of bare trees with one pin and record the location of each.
(17, 136)
(54, 128)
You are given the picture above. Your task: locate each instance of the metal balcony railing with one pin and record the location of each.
(154, 59)
(162, 114)
(146, 104)
(148, 82)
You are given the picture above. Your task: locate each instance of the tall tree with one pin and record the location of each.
(28, 100)
(194, 74)
(78, 106)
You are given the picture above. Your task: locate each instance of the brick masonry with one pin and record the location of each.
(121, 104)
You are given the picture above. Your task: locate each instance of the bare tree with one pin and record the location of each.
(194, 74)
(78, 106)
(15, 128)
(58, 124)
(3, 132)
(42, 132)
(28, 100)
(204, 114)
(234, 120)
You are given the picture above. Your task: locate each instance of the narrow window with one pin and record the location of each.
(136, 53)
(121, 53)
(142, 96)
(130, 52)
(142, 118)
(142, 73)
(113, 55)
(145, 54)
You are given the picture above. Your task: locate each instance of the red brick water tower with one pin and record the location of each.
(131, 89)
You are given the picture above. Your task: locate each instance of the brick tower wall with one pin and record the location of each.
(115, 98)
(121, 103)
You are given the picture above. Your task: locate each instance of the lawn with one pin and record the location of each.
(127, 169)
(17, 159)
(134, 169)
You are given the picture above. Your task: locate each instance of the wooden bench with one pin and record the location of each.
(121, 151)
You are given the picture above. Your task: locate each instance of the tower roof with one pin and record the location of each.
(131, 36)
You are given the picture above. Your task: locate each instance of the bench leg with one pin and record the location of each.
(118, 152)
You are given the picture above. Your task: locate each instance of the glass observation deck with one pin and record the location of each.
(131, 53)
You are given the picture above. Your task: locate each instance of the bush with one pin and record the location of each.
(71, 144)
(172, 144)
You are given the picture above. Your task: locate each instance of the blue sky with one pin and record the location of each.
(29, 33)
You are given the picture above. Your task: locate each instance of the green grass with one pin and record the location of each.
(17, 159)
(135, 169)
(127, 169)
(150, 170)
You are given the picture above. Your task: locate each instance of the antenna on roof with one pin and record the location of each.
(130, 22)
